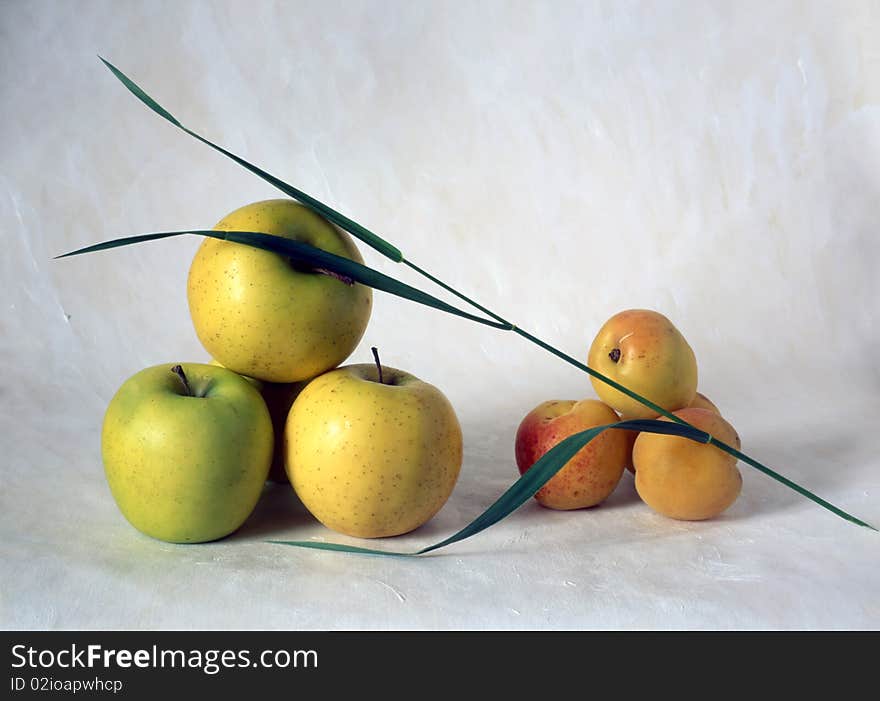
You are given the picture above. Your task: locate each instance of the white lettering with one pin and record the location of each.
(16, 653)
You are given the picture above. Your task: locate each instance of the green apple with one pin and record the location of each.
(263, 316)
(372, 455)
(186, 451)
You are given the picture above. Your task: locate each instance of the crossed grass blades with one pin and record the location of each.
(552, 461)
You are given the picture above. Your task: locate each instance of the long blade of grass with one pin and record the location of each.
(304, 253)
(368, 237)
(392, 252)
(339, 547)
(525, 487)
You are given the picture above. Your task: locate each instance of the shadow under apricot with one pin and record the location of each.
(817, 460)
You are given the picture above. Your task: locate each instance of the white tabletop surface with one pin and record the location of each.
(559, 162)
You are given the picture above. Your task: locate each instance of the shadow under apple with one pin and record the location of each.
(278, 511)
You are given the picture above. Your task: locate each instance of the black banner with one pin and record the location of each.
(135, 664)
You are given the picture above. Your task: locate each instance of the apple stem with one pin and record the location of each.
(614, 355)
(178, 370)
(378, 364)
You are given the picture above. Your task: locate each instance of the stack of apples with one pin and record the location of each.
(643, 351)
(371, 451)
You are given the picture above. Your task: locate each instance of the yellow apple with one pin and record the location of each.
(684, 479)
(186, 451)
(643, 351)
(593, 473)
(255, 382)
(369, 457)
(263, 316)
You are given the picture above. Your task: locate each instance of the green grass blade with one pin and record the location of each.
(310, 255)
(525, 487)
(368, 237)
(338, 547)
(118, 243)
(140, 94)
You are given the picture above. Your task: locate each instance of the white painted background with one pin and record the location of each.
(559, 162)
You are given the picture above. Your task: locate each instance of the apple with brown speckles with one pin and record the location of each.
(372, 455)
(263, 316)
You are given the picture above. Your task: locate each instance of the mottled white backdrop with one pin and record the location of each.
(558, 161)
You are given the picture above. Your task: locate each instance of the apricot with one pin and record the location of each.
(595, 470)
(701, 401)
(684, 479)
(642, 350)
